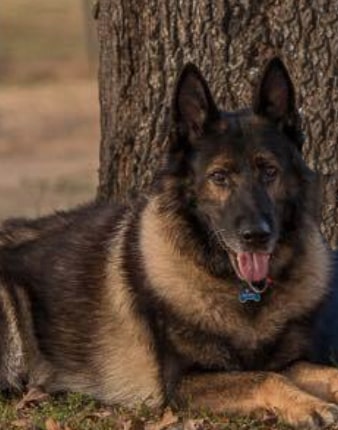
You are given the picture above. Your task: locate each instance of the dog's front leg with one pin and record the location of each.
(250, 392)
(321, 381)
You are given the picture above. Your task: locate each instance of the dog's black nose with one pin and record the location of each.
(256, 233)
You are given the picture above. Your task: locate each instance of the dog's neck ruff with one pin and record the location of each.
(252, 293)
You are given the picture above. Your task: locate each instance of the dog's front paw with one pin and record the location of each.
(312, 415)
(320, 381)
(333, 387)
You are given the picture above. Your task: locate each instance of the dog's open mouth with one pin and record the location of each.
(251, 266)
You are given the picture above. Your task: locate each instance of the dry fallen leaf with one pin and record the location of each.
(126, 424)
(269, 418)
(193, 424)
(22, 423)
(51, 424)
(34, 395)
(104, 413)
(167, 419)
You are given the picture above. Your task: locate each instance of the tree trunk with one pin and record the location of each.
(143, 44)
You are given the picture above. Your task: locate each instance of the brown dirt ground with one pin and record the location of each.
(49, 146)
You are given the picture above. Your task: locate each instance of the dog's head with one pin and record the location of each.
(241, 174)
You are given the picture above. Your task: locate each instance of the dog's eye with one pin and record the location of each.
(269, 173)
(219, 177)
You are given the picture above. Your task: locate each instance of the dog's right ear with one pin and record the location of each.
(193, 106)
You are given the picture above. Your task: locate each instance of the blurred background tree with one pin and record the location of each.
(143, 44)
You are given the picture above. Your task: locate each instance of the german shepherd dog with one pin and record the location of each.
(203, 293)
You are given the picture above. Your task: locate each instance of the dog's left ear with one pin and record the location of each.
(275, 99)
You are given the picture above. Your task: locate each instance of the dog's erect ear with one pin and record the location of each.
(275, 99)
(193, 106)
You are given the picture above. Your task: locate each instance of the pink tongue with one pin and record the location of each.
(253, 267)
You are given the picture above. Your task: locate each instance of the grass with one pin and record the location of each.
(76, 412)
(28, 35)
(49, 128)
(49, 154)
(42, 40)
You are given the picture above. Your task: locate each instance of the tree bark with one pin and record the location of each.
(143, 45)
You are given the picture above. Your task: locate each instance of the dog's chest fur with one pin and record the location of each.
(206, 324)
(249, 351)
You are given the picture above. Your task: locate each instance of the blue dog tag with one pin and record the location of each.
(248, 296)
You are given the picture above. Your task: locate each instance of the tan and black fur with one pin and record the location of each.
(140, 303)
